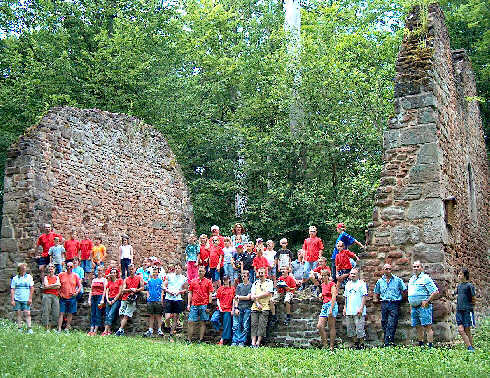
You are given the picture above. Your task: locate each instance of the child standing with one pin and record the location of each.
(204, 252)
(225, 296)
(283, 256)
(228, 253)
(247, 263)
(270, 255)
(57, 253)
(98, 255)
(465, 318)
(191, 252)
(86, 247)
(154, 299)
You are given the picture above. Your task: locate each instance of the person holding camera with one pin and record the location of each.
(133, 284)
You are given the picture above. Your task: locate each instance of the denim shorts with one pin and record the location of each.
(21, 306)
(198, 313)
(466, 318)
(327, 310)
(86, 265)
(68, 306)
(421, 315)
(43, 261)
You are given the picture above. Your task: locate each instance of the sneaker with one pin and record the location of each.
(148, 333)
(241, 345)
(220, 342)
(234, 344)
(30, 331)
(120, 332)
(160, 332)
(471, 349)
(103, 333)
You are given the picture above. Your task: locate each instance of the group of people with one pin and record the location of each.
(250, 281)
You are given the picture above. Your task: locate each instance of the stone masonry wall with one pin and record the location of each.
(432, 203)
(89, 170)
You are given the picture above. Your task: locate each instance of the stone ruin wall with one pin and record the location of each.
(109, 174)
(433, 202)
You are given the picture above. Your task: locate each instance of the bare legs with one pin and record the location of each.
(322, 321)
(465, 333)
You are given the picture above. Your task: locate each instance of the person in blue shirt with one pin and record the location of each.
(348, 240)
(421, 291)
(390, 289)
(21, 291)
(154, 298)
(191, 252)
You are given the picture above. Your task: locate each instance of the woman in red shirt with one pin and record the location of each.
(51, 304)
(96, 301)
(113, 299)
(330, 308)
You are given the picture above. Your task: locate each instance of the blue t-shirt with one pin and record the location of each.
(420, 288)
(191, 252)
(345, 238)
(22, 286)
(80, 273)
(155, 286)
(228, 253)
(392, 290)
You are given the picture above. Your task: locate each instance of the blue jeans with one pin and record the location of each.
(390, 312)
(96, 312)
(86, 266)
(309, 266)
(252, 275)
(229, 270)
(241, 326)
(125, 267)
(111, 311)
(224, 318)
(57, 269)
(334, 271)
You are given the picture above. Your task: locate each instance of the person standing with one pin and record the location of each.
(96, 301)
(248, 259)
(239, 235)
(313, 247)
(261, 294)
(421, 292)
(72, 247)
(98, 255)
(345, 238)
(44, 243)
(330, 308)
(112, 299)
(78, 270)
(132, 285)
(242, 311)
(174, 286)
(204, 253)
(21, 292)
(225, 296)
(216, 261)
(198, 298)
(69, 288)
(228, 253)
(391, 290)
(86, 247)
(284, 257)
(57, 254)
(126, 256)
(355, 308)
(215, 232)
(465, 318)
(50, 301)
(154, 299)
(191, 252)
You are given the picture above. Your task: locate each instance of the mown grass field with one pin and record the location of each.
(78, 355)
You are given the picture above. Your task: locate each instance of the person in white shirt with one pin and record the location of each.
(355, 294)
(175, 285)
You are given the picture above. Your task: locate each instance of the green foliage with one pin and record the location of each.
(79, 355)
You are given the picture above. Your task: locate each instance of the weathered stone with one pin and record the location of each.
(429, 153)
(391, 139)
(391, 213)
(429, 208)
(427, 115)
(408, 193)
(428, 253)
(433, 230)
(418, 135)
(422, 173)
(405, 234)
(8, 245)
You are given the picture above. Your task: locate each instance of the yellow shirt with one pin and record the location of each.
(259, 288)
(98, 253)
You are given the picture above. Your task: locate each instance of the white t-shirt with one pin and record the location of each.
(228, 254)
(270, 256)
(353, 293)
(175, 283)
(125, 251)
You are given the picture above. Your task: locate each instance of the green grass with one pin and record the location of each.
(78, 355)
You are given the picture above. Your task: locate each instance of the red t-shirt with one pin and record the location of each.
(312, 248)
(342, 261)
(290, 281)
(225, 296)
(204, 254)
(71, 249)
(108, 271)
(86, 249)
(51, 281)
(69, 282)
(132, 283)
(261, 262)
(47, 241)
(97, 287)
(214, 254)
(114, 287)
(319, 268)
(327, 291)
(221, 241)
(200, 291)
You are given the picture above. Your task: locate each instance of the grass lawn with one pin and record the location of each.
(79, 355)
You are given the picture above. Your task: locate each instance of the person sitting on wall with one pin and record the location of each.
(145, 270)
(347, 240)
(286, 286)
(298, 269)
(313, 247)
(198, 298)
(41, 249)
(343, 263)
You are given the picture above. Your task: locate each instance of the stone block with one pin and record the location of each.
(430, 208)
(8, 245)
(432, 190)
(418, 135)
(433, 230)
(391, 139)
(428, 253)
(427, 115)
(403, 234)
(392, 213)
(408, 193)
(422, 173)
(10, 207)
(429, 153)
(406, 89)
(418, 101)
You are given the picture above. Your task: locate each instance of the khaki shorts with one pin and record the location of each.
(282, 297)
(356, 326)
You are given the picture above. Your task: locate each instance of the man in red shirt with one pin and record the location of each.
(313, 248)
(41, 249)
(69, 288)
(86, 247)
(200, 291)
(72, 247)
(132, 285)
(286, 286)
